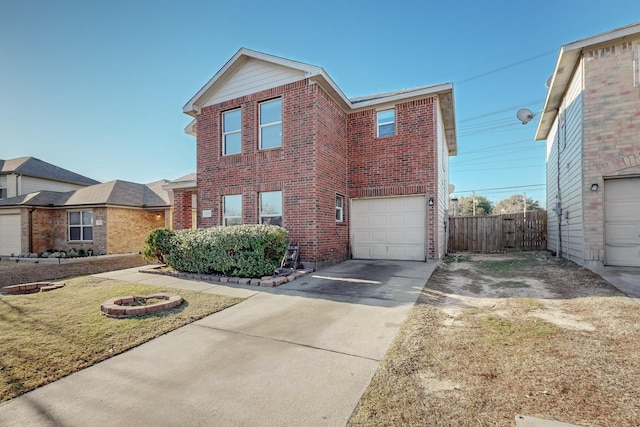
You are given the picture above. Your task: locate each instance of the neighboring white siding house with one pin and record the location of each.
(591, 124)
(564, 175)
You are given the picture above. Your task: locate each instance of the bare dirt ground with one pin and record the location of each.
(23, 271)
(496, 336)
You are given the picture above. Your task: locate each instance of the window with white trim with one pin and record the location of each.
(271, 124)
(339, 208)
(81, 226)
(231, 132)
(386, 123)
(271, 208)
(3, 187)
(232, 210)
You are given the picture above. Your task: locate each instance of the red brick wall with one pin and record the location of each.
(311, 167)
(332, 175)
(42, 230)
(182, 209)
(290, 168)
(402, 164)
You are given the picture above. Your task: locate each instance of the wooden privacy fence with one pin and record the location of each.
(499, 233)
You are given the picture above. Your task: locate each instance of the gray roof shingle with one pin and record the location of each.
(31, 166)
(115, 193)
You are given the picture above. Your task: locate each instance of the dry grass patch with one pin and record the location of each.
(46, 336)
(568, 354)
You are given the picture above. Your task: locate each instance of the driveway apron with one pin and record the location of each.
(299, 354)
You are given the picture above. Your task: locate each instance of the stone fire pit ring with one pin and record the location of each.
(136, 305)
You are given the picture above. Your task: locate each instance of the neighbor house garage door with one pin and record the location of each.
(9, 234)
(622, 222)
(389, 228)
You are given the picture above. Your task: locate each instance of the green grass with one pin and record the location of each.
(48, 335)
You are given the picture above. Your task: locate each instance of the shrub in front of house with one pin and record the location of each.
(241, 251)
(158, 244)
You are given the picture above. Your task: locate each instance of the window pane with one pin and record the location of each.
(386, 116)
(88, 233)
(271, 203)
(232, 221)
(272, 220)
(74, 218)
(87, 218)
(270, 112)
(386, 130)
(231, 121)
(233, 205)
(74, 233)
(271, 136)
(232, 143)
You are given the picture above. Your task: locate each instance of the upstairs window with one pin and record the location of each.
(271, 124)
(81, 225)
(3, 187)
(231, 134)
(232, 210)
(386, 123)
(271, 208)
(339, 208)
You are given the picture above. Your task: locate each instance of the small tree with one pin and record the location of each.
(515, 203)
(158, 244)
(465, 206)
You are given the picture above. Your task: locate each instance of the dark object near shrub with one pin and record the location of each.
(158, 244)
(243, 250)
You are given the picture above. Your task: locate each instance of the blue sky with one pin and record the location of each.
(97, 87)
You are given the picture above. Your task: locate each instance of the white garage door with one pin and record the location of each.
(622, 222)
(389, 228)
(9, 234)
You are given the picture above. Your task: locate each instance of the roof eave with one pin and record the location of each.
(568, 60)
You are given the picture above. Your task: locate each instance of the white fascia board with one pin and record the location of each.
(404, 95)
(190, 129)
(180, 185)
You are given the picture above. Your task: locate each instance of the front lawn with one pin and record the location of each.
(48, 335)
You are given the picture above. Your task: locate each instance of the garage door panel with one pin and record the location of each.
(10, 240)
(389, 228)
(622, 222)
(622, 233)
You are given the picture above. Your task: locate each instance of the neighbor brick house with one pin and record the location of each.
(591, 122)
(279, 143)
(24, 175)
(107, 218)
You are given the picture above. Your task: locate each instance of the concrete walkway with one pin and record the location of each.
(299, 354)
(626, 279)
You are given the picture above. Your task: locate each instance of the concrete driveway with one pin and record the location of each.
(299, 354)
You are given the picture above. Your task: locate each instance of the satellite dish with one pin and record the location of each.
(452, 188)
(524, 115)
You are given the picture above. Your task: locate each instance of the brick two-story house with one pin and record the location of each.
(279, 143)
(591, 122)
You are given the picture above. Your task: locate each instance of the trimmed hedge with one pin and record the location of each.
(243, 250)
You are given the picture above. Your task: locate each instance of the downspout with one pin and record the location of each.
(30, 231)
(561, 129)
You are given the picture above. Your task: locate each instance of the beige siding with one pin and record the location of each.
(252, 77)
(28, 184)
(565, 142)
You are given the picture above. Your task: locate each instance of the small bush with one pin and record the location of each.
(244, 250)
(158, 244)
